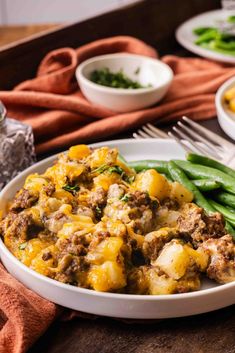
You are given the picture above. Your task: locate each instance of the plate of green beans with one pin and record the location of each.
(211, 35)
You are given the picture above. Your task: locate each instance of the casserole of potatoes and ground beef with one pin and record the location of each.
(91, 221)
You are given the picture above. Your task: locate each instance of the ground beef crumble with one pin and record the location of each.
(194, 223)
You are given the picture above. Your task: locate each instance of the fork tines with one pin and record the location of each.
(196, 138)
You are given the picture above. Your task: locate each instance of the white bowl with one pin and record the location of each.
(211, 296)
(226, 117)
(139, 68)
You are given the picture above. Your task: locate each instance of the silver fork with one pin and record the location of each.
(194, 138)
(150, 131)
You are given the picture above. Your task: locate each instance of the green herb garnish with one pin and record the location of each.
(155, 203)
(72, 189)
(129, 179)
(105, 77)
(98, 211)
(125, 198)
(22, 246)
(113, 169)
(116, 169)
(101, 169)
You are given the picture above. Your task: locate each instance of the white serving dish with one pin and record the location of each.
(226, 117)
(186, 37)
(210, 297)
(143, 69)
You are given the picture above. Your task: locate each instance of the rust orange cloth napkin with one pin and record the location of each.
(24, 315)
(60, 115)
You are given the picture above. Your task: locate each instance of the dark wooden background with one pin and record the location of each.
(155, 22)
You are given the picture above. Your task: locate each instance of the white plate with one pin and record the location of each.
(226, 117)
(209, 298)
(185, 36)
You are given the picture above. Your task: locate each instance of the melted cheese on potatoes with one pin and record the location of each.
(91, 221)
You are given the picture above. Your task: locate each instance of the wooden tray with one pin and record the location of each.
(153, 21)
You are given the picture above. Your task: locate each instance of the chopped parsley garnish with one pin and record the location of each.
(155, 203)
(98, 211)
(116, 169)
(125, 198)
(23, 245)
(129, 179)
(105, 167)
(71, 188)
(101, 169)
(119, 79)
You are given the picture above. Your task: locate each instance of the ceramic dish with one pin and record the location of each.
(186, 37)
(211, 296)
(146, 71)
(226, 117)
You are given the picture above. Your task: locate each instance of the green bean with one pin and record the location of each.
(206, 184)
(230, 209)
(230, 216)
(178, 175)
(160, 166)
(201, 30)
(167, 176)
(225, 198)
(196, 158)
(200, 172)
(230, 229)
(231, 19)
(207, 36)
(221, 44)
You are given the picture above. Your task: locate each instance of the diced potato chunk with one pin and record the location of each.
(79, 152)
(116, 228)
(60, 173)
(103, 156)
(200, 257)
(35, 183)
(32, 248)
(154, 183)
(180, 193)
(229, 94)
(160, 284)
(107, 250)
(107, 277)
(232, 104)
(41, 266)
(104, 180)
(173, 260)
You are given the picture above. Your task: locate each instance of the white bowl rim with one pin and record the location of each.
(129, 91)
(136, 297)
(219, 95)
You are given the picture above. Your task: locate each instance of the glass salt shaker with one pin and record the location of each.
(16, 147)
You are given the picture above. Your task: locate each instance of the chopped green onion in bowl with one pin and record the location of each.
(119, 79)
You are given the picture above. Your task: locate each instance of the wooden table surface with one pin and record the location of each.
(208, 333)
(10, 34)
